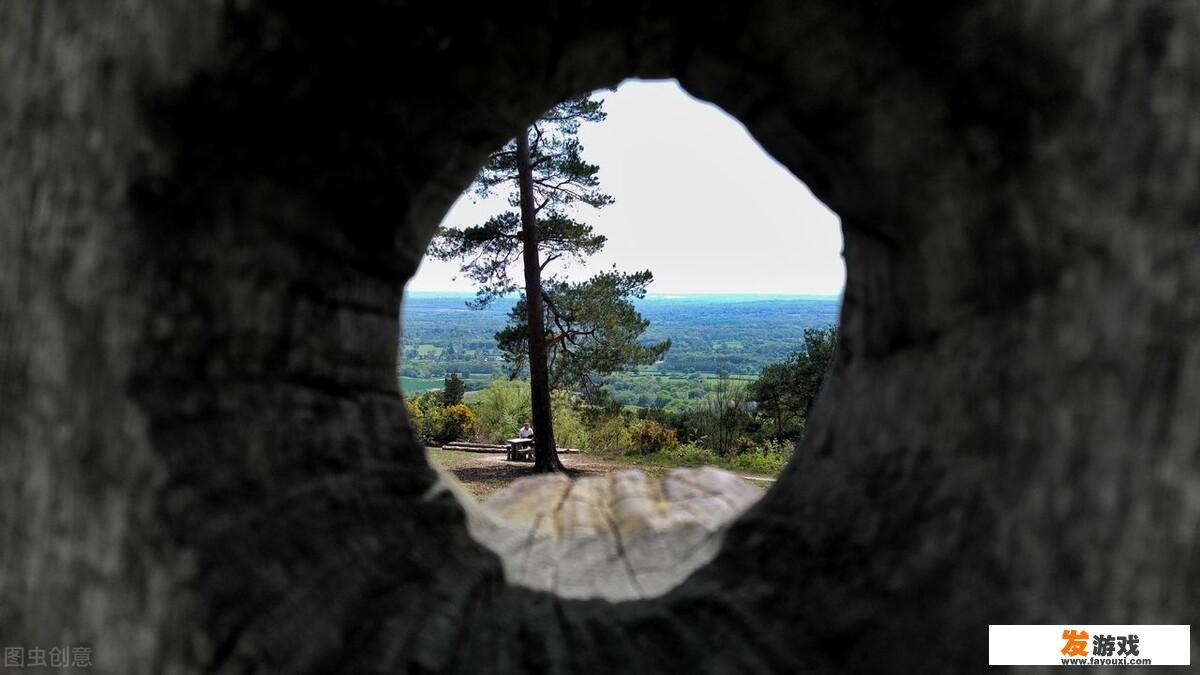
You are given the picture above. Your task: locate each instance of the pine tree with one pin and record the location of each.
(453, 390)
(563, 332)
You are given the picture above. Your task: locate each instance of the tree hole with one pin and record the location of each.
(689, 289)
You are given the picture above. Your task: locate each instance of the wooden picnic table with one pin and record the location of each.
(520, 449)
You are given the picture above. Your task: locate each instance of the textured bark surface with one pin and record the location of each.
(545, 451)
(208, 210)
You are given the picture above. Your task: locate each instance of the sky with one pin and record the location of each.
(698, 202)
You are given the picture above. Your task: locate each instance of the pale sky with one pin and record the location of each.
(698, 202)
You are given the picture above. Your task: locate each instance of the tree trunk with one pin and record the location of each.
(208, 210)
(544, 452)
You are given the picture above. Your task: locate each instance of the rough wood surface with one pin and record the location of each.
(208, 210)
(621, 536)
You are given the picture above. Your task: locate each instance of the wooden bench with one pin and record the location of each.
(520, 449)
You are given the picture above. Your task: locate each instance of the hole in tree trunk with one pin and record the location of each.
(210, 210)
(661, 450)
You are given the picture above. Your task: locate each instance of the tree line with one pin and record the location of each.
(735, 418)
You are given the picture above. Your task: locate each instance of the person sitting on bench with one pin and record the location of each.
(525, 431)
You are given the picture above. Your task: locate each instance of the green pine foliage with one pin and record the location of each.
(453, 390)
(593, 331)
(784, 391)
(592, 327)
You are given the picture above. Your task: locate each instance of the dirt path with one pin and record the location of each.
(484, 473)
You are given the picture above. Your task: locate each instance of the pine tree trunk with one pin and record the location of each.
(544, 452)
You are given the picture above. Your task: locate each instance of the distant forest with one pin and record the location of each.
(710, 335)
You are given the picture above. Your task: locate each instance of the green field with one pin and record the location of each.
(416, 385)
(642, 389)
(709, 335)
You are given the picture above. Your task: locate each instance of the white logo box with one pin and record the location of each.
(1042, 644)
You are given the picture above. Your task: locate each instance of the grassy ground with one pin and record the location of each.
(750, 464)
(484, 473)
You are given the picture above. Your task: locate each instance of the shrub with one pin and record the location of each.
(424, 418)
(502, 409)
(415, 416)
(724, 415)
(687, 424)
(569, 429)
(744, 444)
(647, 437)
(435, 424)
(457, 423)
(690, 454)
(608, 434)
(769, 458)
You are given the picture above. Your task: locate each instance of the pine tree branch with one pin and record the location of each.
(537, 141)
(559, 188)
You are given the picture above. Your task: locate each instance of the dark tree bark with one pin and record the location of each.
(208, 211)
(545, 452)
